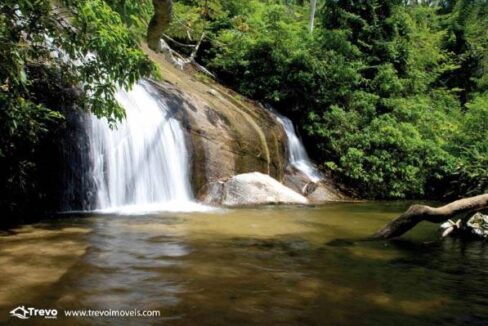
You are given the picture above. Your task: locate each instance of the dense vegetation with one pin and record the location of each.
(392, 96)
(52, 57)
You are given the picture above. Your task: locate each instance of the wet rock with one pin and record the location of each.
(296, 180)
(227, 134)
(213, 92)
(249, 189)
(316, 192)
(212, 193)
(323, 191)
(474, 227)
(478, 225)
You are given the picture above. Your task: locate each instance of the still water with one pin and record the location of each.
(253, 266)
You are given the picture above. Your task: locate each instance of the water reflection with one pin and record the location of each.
(280, 265)
(132, 263)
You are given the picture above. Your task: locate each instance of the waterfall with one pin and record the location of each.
(142, 163)
(298, 156)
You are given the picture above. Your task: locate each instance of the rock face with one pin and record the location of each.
(296, 180)
(229, 135)
(249, 189)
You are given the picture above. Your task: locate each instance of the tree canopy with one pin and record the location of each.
(55, 55)
(391, 96)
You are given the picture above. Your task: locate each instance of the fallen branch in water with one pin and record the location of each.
(418, 213)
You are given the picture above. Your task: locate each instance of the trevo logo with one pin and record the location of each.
(22, 312)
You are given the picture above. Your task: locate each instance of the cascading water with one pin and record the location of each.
(298, 156)
(142, 163)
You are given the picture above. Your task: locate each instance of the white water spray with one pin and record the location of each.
(142, 164)
(298, 156)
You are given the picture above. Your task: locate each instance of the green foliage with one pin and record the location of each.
(386, 134)
(72, 54)
(471, 175)
(108, 52)
(263, 44)
(378, 90)
(390, 95)
(135, 14)
(466, 25)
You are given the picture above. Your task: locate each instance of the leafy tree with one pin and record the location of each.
(386, 134)
(471, 148)
(74, 53)
(467, 41)
(367, 90)
(390, 95)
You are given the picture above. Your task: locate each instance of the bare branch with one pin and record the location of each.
(418, 213)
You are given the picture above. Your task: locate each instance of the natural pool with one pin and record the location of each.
(261, 266)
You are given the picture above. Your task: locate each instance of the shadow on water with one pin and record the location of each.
(262, 266)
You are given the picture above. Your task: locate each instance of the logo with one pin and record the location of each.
(22, 312)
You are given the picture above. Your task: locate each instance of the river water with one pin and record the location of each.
(253, 266)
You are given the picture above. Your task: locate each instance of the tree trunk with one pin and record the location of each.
(418, 213)
(313, 8)
(160, 21)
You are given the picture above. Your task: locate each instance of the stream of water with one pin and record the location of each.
(150, 246)
(141, 164)
(297, 155)
(253, 266)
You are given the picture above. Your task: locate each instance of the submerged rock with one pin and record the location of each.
(249, 189)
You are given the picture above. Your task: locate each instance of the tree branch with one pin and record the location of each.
(155, 32)
(418, 213)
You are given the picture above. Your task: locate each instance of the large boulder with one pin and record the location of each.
(226, 133)
(323, 191)
(249, 189)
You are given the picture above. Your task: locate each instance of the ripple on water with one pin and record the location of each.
(259, 266)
